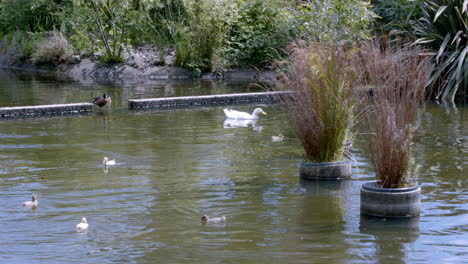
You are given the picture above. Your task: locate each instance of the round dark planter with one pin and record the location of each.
(326, 170)
(390, 202)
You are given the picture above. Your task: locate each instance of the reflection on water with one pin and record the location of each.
(175, 166)
(391, 238)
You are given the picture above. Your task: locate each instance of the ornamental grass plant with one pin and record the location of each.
(320, 109)
(397, 76)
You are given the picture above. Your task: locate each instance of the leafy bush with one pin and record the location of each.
(324, 80)
(396, 15)
(444, 28)
(31, 15)
(54, 49)
(198, 44)
(325, 20)
(18, 46)
(256, 33)
(107, 22)
(163, 21)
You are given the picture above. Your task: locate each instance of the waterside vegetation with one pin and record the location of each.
(206, 35)
(219, 35)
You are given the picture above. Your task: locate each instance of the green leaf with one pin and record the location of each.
(461, 61)
(442, 47)
(439, 12)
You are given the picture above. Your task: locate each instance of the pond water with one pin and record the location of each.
(175, 166)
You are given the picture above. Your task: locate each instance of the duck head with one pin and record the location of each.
(258, 111)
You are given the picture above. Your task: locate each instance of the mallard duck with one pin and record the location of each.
(243, 115)
(102, 101)
(83, 225)
(278, 138)
(108, 162)
(214, 220)
(33, 203)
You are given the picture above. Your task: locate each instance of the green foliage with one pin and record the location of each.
(31, 15)
(325, 20)
(201, 40)
(163, 21)
(444, 28)
(208, 35)
(18, 45)
(396, 15)
(256, 33)
(53, 49)
(108, 22)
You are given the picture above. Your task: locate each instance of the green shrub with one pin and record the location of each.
(444, 28)
(107, 22)
(325, 20)
(54, 49)
(257, 33)
(31, 15)
(18, 46)
(201, 40)
(396, 15)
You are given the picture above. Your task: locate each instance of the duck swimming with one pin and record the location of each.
(33, 203)
(108, 162)
(83, 225)
(243, 115)
(102, 101)
(214, 220)
(278, 138)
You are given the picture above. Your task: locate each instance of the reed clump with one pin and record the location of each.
(397, 75)
(323, 79)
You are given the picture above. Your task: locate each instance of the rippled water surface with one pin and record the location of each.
(175, 166)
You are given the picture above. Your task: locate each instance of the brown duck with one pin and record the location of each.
(102, 101)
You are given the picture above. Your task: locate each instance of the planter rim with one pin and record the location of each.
(317, 164)
(372, 186)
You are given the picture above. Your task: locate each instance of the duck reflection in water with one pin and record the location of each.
(235, 123)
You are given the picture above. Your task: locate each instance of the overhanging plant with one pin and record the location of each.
(444, 29)
(397, 75)
(323, 81)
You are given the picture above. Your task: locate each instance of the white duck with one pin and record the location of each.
(213, 220)
(33, 203)
(83, 225)
(243, 115)
(278, 138)
(108, 162)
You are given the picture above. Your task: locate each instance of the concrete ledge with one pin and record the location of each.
(45, 110)
(205, 100)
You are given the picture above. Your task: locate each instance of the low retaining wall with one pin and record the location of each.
(45, 110)
(205, 100)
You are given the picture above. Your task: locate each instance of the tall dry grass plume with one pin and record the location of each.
(321, 109)
(397, 75)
